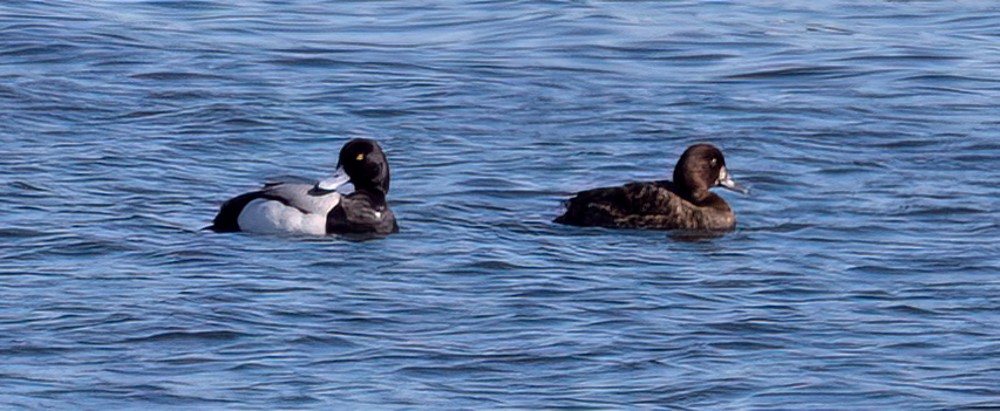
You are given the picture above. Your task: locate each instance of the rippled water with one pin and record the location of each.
(864, 273)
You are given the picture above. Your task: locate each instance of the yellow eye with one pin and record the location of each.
(360, 157)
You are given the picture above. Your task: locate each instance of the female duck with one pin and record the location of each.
(318, 209)
(684, 203)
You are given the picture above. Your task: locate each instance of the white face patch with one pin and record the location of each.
(727, 182)
(378, 215)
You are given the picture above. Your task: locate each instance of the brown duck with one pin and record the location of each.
(684, 203)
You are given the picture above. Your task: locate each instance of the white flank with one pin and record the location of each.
(273, 217)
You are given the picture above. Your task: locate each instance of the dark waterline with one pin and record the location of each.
(863, 273)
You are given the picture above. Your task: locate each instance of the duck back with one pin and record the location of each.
(655, 205)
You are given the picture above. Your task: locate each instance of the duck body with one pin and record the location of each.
(278, 208)
(684, 203)
(652, 205)
(318, 209)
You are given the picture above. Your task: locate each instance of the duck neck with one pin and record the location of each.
(692, 192)
(698, 195)
(372, 191)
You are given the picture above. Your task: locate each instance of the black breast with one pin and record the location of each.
(361, 213)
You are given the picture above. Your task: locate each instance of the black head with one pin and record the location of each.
(701, 167)
(363, 160)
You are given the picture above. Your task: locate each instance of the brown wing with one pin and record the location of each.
(637, 205)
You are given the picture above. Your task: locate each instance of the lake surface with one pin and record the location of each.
(864, 272)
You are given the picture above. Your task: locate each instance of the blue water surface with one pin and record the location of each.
(864, 272)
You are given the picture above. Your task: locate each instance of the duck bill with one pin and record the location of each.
(331, 183)
(725, 181)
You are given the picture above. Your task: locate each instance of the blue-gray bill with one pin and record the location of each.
(725, 181)
(331, 183)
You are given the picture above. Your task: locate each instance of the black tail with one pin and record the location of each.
(227, 221)
(573, 213)
(592, 207)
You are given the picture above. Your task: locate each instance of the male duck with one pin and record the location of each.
(684, 203)
(289, 208)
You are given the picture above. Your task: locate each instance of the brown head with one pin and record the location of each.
(701, 167)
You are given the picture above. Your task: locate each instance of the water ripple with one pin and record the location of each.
(861, 274)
